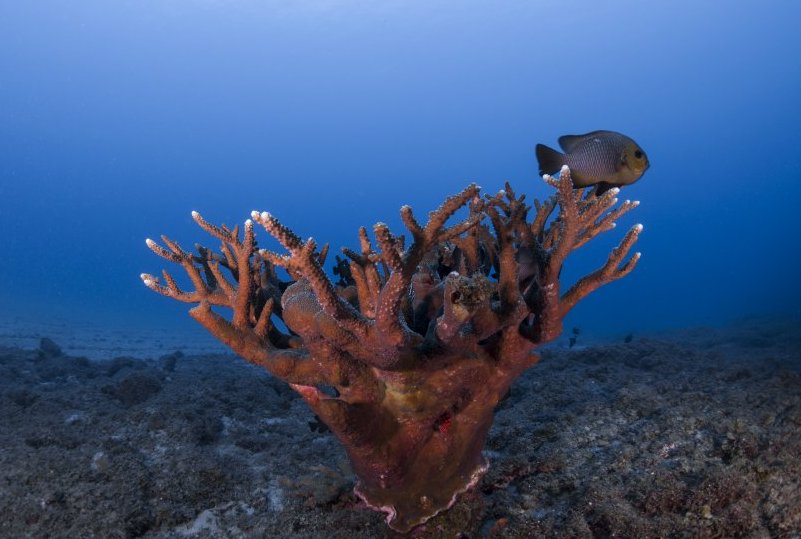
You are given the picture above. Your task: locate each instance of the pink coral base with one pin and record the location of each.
(475, 477)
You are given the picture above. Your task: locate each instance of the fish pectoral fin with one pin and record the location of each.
(550, 160)
(579, 180)
(602, 187)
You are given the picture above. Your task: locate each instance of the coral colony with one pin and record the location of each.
(405, 357)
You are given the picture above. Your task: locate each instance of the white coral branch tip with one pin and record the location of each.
(637, 228)
(195, 214)
(150, 243)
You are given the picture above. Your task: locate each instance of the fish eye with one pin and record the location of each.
(638, 154)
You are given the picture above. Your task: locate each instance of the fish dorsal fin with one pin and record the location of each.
(569, 142)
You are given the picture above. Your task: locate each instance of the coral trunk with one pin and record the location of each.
(424, 445)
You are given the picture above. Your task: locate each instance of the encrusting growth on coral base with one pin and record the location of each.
(407, 354)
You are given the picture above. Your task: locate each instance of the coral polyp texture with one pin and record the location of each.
(405, 356)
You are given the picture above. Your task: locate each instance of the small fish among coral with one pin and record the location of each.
(603, 158)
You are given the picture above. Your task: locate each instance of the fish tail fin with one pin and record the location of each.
(550, 160)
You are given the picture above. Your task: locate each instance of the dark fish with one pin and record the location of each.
(318, 426)
(574, 338)
(605, 158)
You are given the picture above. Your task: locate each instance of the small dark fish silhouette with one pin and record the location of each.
(318, 426)
(573, 338)
(604, 158)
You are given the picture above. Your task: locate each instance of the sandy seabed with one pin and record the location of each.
(690, 434)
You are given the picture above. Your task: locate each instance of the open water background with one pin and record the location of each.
(119, 118)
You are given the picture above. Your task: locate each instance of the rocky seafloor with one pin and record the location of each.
(690, 434)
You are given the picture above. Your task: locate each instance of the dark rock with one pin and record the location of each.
(206, 430)
(48, 348)
(119, 363)
(168, 361)
(23, 397)
(54, 439)
(82, 362)
(254, 443)
(134, 389)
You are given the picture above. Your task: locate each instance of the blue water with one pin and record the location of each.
(119, 118)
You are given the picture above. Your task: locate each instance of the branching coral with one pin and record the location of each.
(406, 357)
